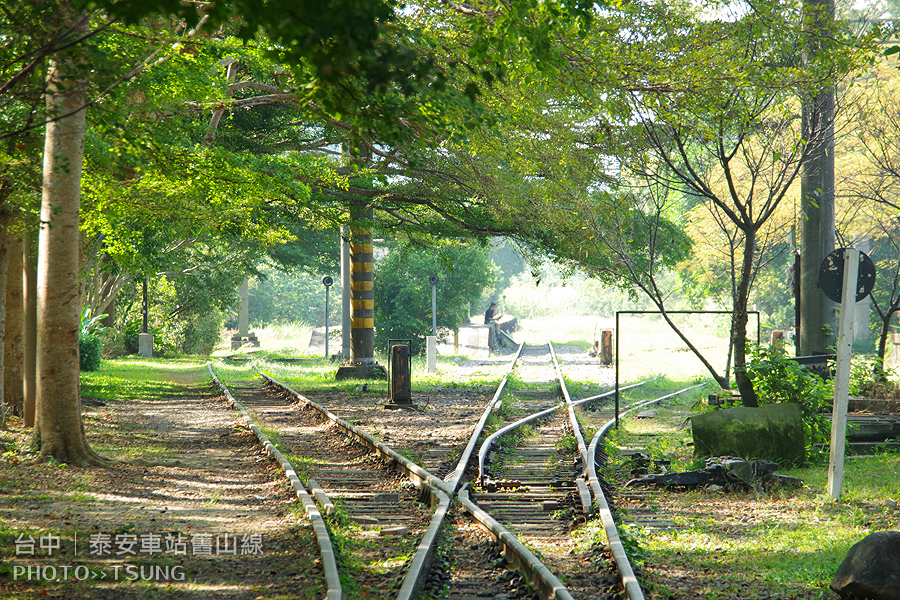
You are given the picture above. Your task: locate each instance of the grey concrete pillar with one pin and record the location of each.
(431, 353)
(244, 312)
(145, 345)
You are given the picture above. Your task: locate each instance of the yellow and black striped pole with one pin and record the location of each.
(362, 286)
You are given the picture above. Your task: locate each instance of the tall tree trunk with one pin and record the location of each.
(880, 368)
(30, 337)
(59, 426)
(13, 361)
(818, 324)
(739, 322)
(4, 263)
(110, 319)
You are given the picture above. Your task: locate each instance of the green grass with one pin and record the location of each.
(753, 545)
(146, 378)
(318, 375)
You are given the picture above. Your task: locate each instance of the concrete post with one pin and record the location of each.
(345, 293)
(842, 374)
(362, 364)
(362, 286)
(431, 353)
(145, 345)
(244, 312)
(817, 313)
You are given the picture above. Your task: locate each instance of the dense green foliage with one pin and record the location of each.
(90, 341)
(89, 348)
(777, 378)
(403, 292)
(549, 122)
(869, 379)
(186, 314)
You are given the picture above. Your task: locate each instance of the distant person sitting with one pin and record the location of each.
(490, 318)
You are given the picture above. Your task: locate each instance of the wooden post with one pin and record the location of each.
(606, 346)
(842, 374)
(777, 338)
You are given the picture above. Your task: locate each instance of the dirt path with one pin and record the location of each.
(191, 476)
(218, 521)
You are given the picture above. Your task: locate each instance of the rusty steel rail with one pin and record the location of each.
(489, 441)
(435, 489)
(439, 492)
(326, 549)
(456, 476)
(538, 575)
(629, 579)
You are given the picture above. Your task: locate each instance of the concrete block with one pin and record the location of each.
(145, 345)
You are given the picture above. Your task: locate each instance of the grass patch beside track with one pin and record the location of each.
(145, 378)
(318, 374)
(751, 545)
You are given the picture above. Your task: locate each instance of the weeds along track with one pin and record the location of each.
(378, 507)
(432, 433)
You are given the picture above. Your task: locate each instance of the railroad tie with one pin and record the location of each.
(321, 497)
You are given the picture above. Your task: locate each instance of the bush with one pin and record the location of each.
(89, 347)
(868, 378)
(90, 342)
(201, 335)
(777, 378)
(403, 291)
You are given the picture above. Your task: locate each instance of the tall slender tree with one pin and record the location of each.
(58, 422)
(14, 337)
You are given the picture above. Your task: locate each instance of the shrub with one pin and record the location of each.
(201, 335)
(868, 378)
(90, 342)
(777, 378)
(89, 347)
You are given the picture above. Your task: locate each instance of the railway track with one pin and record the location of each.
(389, 509)
(532, 484)
(384, 505)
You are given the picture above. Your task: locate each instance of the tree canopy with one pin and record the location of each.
(224, 136)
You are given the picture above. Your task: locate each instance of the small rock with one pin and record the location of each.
(393, 531)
